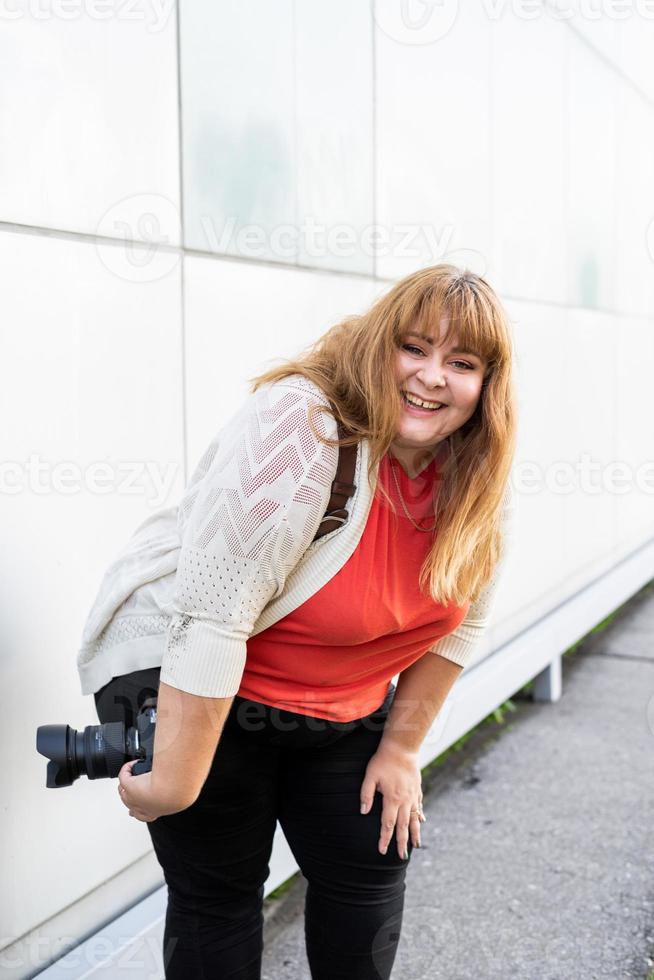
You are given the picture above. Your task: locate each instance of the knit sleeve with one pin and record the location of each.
(460, 645)
(253, 511)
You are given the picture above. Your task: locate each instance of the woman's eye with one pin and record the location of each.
(418, 350)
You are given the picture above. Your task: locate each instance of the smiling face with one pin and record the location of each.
(438, 375)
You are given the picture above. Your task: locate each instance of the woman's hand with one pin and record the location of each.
(394, 771)
(141, 798)
(185, 739)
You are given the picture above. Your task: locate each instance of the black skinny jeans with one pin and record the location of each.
(306, 772)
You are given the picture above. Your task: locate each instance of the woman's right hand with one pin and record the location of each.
(186, 734)
(141, 798)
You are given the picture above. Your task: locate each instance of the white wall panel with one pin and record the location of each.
(529, 165)
(590, 231)
(540, 333)
(592, 20)
(635, 48)
(621, 31)
(88, 117)
(239, 153)
(242, 319)
(334, 100)
(433, 143)
(585, 397)
(634, 231)
(568, 382)
(634, 371)
(277, 144)
(89, 373)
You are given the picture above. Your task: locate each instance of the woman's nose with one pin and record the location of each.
(432, 376)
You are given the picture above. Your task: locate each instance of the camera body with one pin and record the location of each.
(99, 751)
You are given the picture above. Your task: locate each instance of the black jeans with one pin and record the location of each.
(306, 772)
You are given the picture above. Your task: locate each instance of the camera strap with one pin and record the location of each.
(342, 487)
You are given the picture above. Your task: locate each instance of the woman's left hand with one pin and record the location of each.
(395, 773)
(139, 796)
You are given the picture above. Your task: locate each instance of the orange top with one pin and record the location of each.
(334, 655)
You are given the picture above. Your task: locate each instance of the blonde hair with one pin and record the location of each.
(354, 365)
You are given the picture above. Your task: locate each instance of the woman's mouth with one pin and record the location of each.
(419, 406)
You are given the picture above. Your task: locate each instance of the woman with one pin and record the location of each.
(308, 729)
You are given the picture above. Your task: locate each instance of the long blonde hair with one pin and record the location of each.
(354, 365)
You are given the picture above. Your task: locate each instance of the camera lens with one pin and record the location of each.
(98, 751)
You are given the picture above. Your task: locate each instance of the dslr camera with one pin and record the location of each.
(100, 750)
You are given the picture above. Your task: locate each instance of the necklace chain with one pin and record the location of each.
(404, 506)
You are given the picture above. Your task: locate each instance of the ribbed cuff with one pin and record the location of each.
(200, 659)
(455, 649)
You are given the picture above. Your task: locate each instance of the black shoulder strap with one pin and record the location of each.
(342, 487)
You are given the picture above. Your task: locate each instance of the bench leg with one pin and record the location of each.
(547, 684)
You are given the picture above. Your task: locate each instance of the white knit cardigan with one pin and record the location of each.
(237, 554)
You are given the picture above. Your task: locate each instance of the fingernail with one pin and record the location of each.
(364, 807)
(418, 844)
(384, 849)
(406, 854)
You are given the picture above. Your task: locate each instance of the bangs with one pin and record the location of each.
(474, 319)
